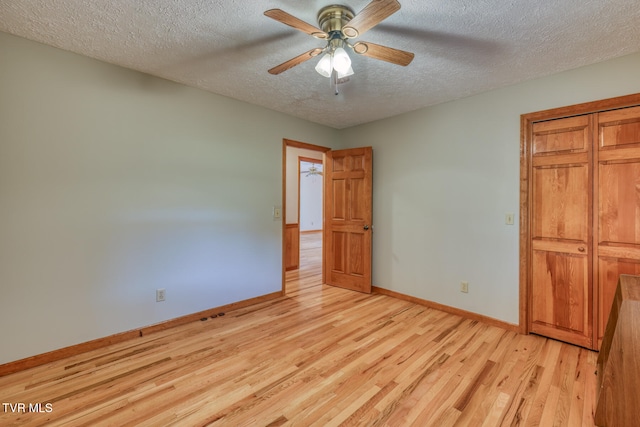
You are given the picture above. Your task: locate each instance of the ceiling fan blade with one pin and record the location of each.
(290, 20)
(373, 13)
(295, 61)
(384, 53)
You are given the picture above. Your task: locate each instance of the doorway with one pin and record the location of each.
(302, 228)
(310, 184)
(347, 215)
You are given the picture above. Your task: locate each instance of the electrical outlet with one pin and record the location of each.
(464, 287)
(160, 295)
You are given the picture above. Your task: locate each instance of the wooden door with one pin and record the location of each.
(618, 206)
(561, 224)
(347, 218)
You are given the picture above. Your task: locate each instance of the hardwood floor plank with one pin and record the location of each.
(521, 403)
(466, 396)
(318, 356)
(523, 379)
(577, 397)
(543, 397)
(496, 412)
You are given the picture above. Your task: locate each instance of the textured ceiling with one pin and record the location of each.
(461, 47)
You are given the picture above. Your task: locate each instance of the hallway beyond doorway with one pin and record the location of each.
(309, 272)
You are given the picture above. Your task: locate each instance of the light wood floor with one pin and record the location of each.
(320, 356)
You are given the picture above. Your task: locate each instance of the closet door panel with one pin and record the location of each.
(618, 128)
(561, 293)
(560, 297)
(561, 136)
(618, 205)
(561, 206)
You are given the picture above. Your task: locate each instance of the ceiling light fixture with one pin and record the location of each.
(337, 61)
(338, 24)
(341, 61)
(335, 64)
(325, 65)
(312, 171)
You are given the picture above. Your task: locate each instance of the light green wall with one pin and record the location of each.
(114, 183)
(444, 178)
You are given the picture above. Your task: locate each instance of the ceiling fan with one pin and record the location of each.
(338, 24)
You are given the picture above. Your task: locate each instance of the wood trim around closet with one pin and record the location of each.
(526, 123)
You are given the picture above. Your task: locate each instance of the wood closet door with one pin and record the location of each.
(561, 212)
(618, 206)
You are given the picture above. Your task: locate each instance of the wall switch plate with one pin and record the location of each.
(277, 213)
(464, 287)
(509, 218)
(160, 295)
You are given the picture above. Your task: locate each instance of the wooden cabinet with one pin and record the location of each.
(618, 389)
(582, 177)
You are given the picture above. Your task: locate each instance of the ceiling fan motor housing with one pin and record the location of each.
(332, 18)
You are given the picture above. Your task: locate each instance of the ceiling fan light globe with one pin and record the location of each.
(324, 65)
(347, 74)
(341, 61)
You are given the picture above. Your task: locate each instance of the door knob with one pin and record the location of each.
(366, 226)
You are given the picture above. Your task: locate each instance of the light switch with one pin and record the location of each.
(509, 219)
(277, 212)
